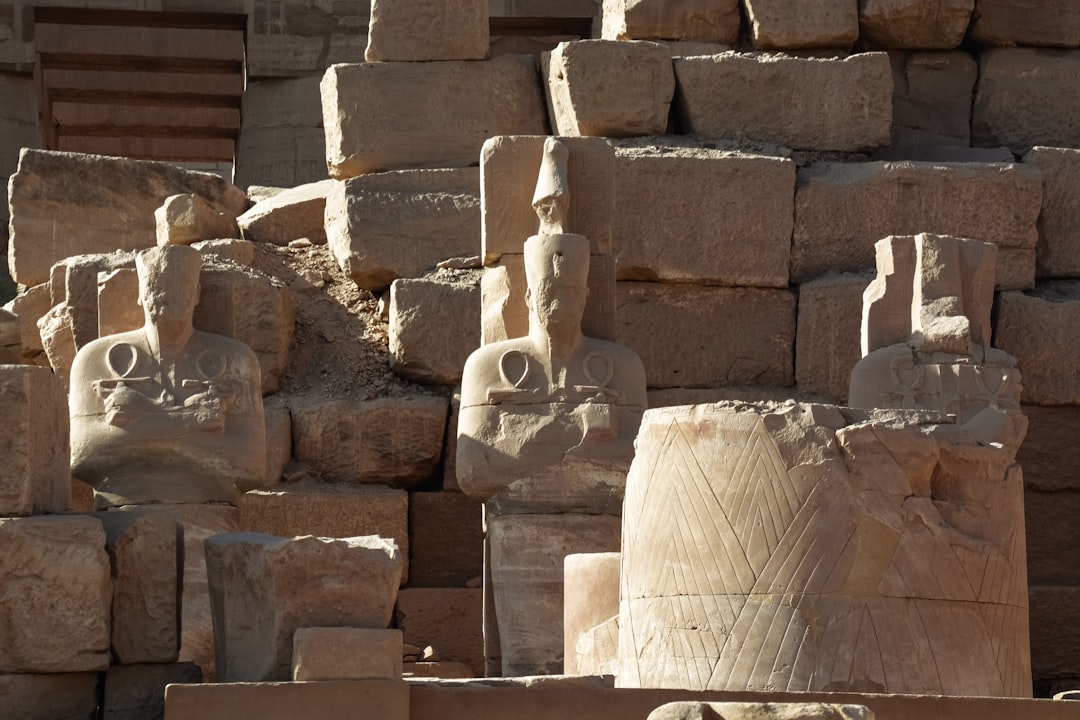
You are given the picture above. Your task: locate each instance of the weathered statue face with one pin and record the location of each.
(559, 302)
(557, 270)
(169, 283)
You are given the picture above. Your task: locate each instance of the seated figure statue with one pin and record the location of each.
(166, 413)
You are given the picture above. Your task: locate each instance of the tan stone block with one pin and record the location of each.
(424, 346)
(494, 97)
(137, 692)
(280, 113)
(296, 37)
(335, 700)
(842, 209)
(680, 214)
(18, 123)
(329, 510)
(1050, 519)
(65, 204)
(1055, 631)
(241, 252)
(185, 219)
(55, 595)
(817, 24)
(609, 88)
(1054, 23)
(391, 441)
(446, 539)
(932, 98)
(399, 224)
(35, 475)
(1058, 251)
(1049, 452)
(699, 20)
(914, 24)
(72, 696)
(827, 342)
(719, 98)
(289, 215)
(755, 346)
(344, 653)
(1026, 97)
(591, 614)
(117, 302)
(56, 328)
(425, 30)
(29, 307)
(448, 619)
(263, 588)
(1036, 329)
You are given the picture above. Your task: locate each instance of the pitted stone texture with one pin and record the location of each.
(1050, 520)
(719, 98)
(391, 441)
(65, 204)
(827, 338)
(1058, 250)
(1055, 631)
(776, 25)
(426, 30)
(493, 97)
(281, 141)
(446, 540)
(450, 620)
(35, 474)
(842, 209)
(692, 710)
(72, 696)
(1055, 23)
(55, 595)
(710, 21)
(1035, 328)
(1027, 97)
(264, 588)
(137, 692)
(1050, 452)
(295, 213)
(346, 653)
(186, 219)
(591, 614)
(757, 345)
(424, 347)
(914, 24)
(932, 98)
(680, 214)
(385, 226)
(609, 88)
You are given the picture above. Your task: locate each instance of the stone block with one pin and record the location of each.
(1050, 519)
(279, 113)
(698, 20)
(1053, 23)
(1058, 251)
(57, 331)
(335, 700)
(426, 30)
(1055, 631)
(816, 24)
(55, 595)
(827, 344)
(344, 653)
(278, 441)
(663, 324)
(241, 252)
(65, 204)
(329, 510)
(681, 214)
(829, 104)
(385, 226)
(392, 441)
(932, 98)
(18, 124)
(71, 696)
(35, 476)
(185, 219)
(1034, 328)
(30, 306)
(1027, 97)
(137, 692)
(10, 340)
(450, 482)
(914, 24)
(264, 588)
(434, 326)
(609, 88)
(448, 619)
(591, 614)
(295, 213)
(842, 209)
(296, 37)
(446, 539)
(1049, 452)
(492, 97)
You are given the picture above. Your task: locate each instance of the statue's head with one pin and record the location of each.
(557, 273)
(169, 283)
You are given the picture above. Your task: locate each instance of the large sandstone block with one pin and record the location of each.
(35, 473)
(1027, 97)
(828, 104)
(827, 344)
(1049, 452)
(1034, 328)
(750, 338)
(277, 114)
(65, 204)
(55, 595)
(424, 346)
(187, 219)
(932, 98)
(446, 539)
(345, 653)
(264, 588)
(341, 700)
(71, 696)
(425, 30)
(391, 441)
(609, 88)
(682, 214)
(295, 213)
(711, 21)
(1054, 23)
(494, 97)
(1050, 519)
(137, 692)
(448, 619)
(817, 24)
(385, 226)
(1055, 631)
(1058, 251)
(30, 306)
(842, 209)
(914, 24)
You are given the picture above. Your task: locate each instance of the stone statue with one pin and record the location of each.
(166, 413)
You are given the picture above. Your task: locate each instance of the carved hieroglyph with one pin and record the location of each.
(811, 548)
(166, 413)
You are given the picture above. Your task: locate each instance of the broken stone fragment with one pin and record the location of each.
(290, 214)
(186, 219)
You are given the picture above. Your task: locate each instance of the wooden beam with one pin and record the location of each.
(145, 82)
(138, 41)
(122, 117)
(140, 98)
(136, 63)
(167, 149)
(134, 131)
(138, 18)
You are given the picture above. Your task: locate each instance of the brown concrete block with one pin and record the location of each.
(827, 342)
(1050, 452)
(426, 30)
(1053, 23)
(446, 539)
(816, 24)
(424, 345)
(1036, 329)
(914, 24)
(932, 98)
(345, 653)
(1058, 251)
(448, 619)
(35, 476)
(711, 21)
(1052, 531)
(335, 700)
(137, 692)
(1055, 631)
(71, 696)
